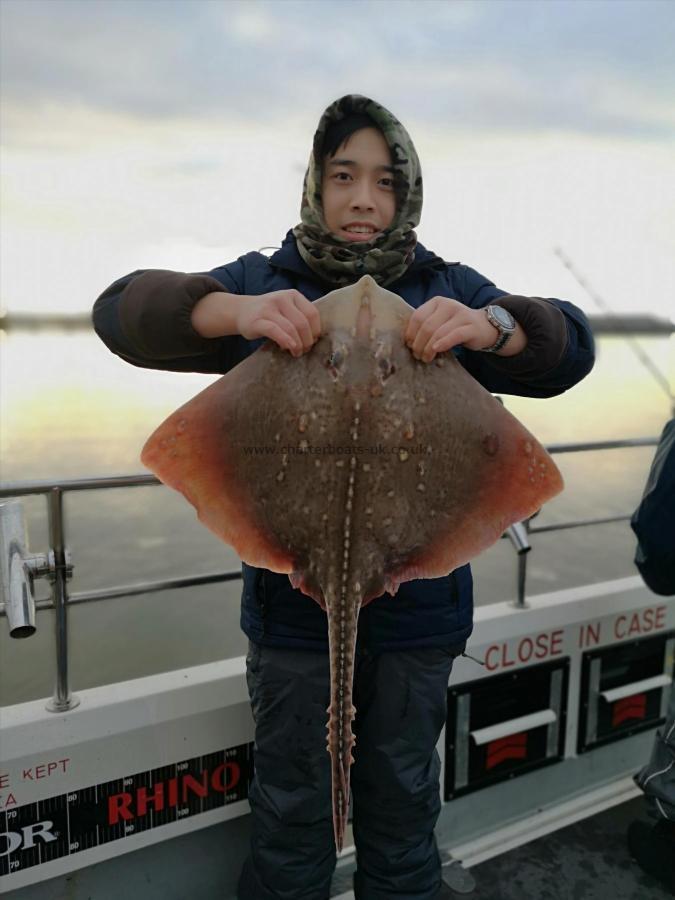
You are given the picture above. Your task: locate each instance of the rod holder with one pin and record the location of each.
(519, 535)
(16, 577)
(19, 569)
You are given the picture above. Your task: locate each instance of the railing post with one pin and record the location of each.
(62, 700)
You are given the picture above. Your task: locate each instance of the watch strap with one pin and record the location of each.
(504, 333)
(499, 343)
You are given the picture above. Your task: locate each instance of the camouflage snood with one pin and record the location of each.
(387, 257)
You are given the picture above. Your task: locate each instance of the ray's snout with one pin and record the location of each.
(364, 321)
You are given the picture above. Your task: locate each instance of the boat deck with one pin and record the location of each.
(588, 860)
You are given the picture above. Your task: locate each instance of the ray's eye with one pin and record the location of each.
(386, 367)
(334, 363)
(335, 360)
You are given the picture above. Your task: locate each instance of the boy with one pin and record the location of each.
(362, 198)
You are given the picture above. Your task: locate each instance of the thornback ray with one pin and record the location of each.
(352, 468)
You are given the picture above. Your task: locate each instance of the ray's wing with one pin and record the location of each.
(239, 454)
(478, 467)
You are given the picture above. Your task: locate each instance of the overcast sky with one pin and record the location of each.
(145, 133)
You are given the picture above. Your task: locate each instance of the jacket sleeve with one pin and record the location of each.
(560, 349)
(654, 520)
(144, 318)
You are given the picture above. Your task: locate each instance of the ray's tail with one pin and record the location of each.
(341, 712)
(340, 744)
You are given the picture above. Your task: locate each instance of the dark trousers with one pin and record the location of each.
(400, 699)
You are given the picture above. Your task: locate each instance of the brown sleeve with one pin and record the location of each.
(546, 330)
(155, 310)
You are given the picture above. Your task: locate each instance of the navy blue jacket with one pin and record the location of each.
(434, 612)
(654, 520)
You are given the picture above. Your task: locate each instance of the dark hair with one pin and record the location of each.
(338, 132)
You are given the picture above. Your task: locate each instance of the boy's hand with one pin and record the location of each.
(286, 317)
(442, 323)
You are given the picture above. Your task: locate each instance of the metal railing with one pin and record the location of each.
(64, 700)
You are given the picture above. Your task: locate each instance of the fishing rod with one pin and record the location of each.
(602, 304)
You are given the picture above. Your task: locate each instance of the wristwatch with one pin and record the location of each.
(504, 323)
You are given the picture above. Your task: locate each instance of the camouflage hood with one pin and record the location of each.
(387, 257)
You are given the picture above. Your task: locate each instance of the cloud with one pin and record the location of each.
(592, 67)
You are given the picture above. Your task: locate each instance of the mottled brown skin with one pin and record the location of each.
(353, 468)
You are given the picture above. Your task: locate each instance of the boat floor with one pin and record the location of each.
(588, 860)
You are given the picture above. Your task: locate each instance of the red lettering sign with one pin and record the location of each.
(641, 622)
(163, 794)
(543, 646)
(44, 770)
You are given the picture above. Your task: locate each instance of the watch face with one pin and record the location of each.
(503, 317)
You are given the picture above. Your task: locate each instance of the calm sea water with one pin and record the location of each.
(70, 408)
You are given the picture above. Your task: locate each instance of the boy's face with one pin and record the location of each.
(358, 186)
